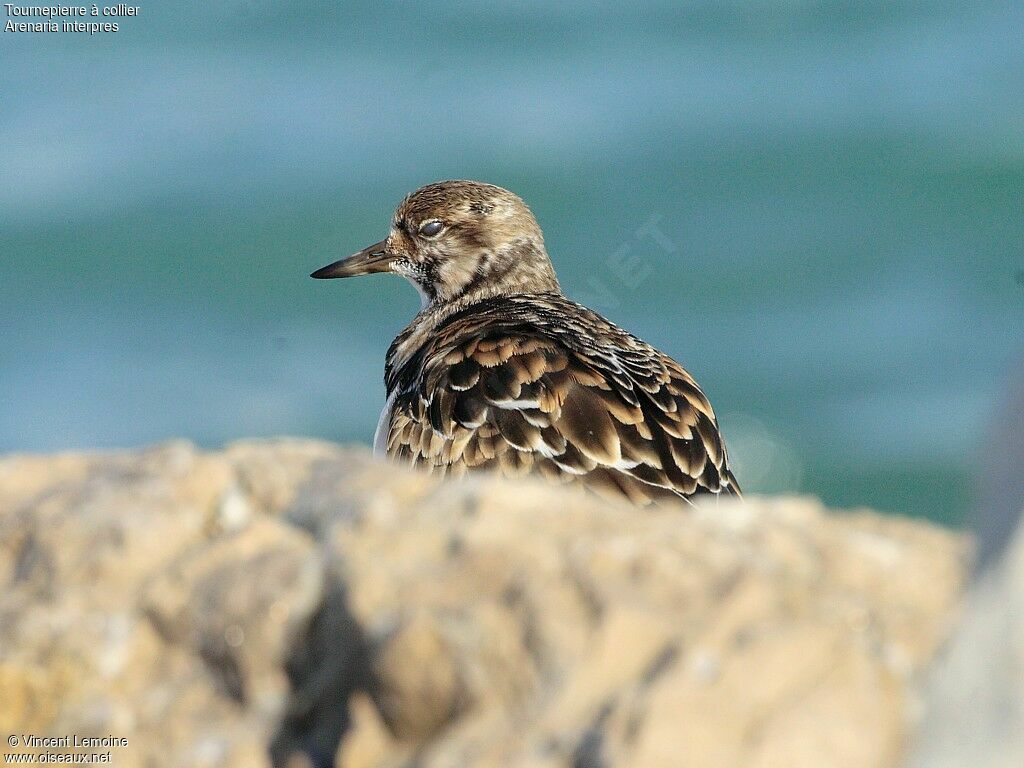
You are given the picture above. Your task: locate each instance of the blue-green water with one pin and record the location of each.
(816, 207)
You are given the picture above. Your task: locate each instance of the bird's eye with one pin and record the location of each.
(431, 228)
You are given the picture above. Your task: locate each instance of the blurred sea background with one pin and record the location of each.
(814, 206)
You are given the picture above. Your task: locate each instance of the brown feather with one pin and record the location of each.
(463, 375)
(586, 424)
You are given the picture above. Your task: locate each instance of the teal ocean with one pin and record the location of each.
(814, 206)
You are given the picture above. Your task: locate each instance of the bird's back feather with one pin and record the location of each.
(537, 384)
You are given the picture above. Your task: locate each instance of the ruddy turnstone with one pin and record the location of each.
(500, 371)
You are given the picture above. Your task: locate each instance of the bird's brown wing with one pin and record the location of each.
(627, 420)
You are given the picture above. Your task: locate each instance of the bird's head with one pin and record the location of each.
(458, 240)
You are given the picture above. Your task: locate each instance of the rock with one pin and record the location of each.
(758, 635)
(239, 604)
(294, 603)
(1000, 487)
(973, 713)
(975, 698)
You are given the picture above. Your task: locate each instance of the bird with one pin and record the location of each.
(500, 371)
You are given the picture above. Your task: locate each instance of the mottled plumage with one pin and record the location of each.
(500, 371)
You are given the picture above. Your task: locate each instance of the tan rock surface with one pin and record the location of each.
(294, 602)
(974, 709)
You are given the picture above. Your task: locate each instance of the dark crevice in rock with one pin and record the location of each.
(661, 663)
(33, 565)
(589, 594)
(328, 663)
(225, 670)
(589, 753)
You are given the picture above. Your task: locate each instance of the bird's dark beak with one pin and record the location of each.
(374, 258)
